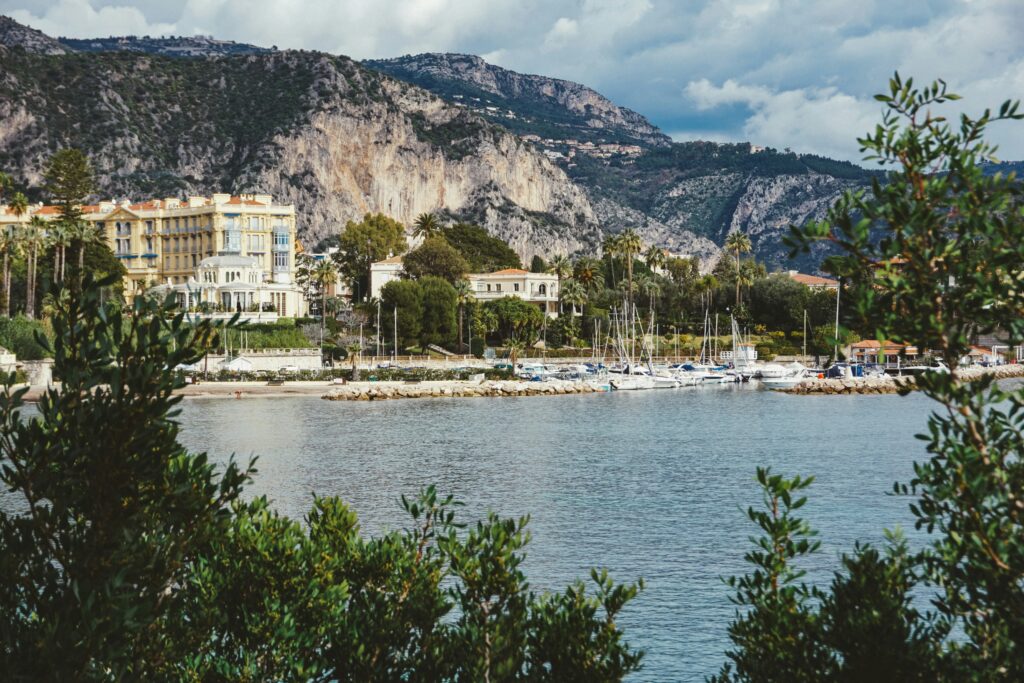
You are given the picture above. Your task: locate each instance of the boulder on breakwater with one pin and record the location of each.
(383, 392)
(891, 385)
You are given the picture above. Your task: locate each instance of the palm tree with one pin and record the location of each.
(9, 243)
(574, 294)
(747, 275)
(426, 226)
(353, 351)
(652, 289)
(655, 258)
(705, 286)
(515, 347)
(630, 245)
(611, 249)
(560, 267)
(585, 272)
(84, 233)
(738, 242)
(60, 238)
(463, 296)
(32, 238)
(323, 275)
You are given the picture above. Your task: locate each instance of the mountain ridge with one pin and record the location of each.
(339, 138)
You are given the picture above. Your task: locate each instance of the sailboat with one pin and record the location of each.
(635, 374)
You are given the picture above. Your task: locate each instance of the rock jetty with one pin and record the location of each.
(890, 385)
(389, 391)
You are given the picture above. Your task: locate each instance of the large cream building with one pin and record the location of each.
(165, 241)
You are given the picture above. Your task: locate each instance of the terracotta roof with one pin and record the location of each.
(144, 206)
(244, 202)
(393, 259)
(813, 280)
(980, 351)
(509, 271)
(47, 211)
(875, 344)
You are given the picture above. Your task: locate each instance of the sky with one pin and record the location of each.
(798, 74)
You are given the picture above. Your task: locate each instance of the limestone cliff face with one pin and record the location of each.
(319, 131)
(359, 161)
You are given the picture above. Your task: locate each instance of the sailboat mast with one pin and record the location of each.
(805, 333)
(835, 350)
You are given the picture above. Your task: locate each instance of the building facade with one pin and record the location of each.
(540, 289)
(166, 242)
(162, 241)
(383, 272)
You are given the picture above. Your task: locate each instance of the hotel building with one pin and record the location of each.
(165, 242)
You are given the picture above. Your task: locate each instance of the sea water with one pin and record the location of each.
(650, 484)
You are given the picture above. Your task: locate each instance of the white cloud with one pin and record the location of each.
(78, 19)
(823, 120)
(563, 30)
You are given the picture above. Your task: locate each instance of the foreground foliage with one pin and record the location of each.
(124, 557)
(947, 266)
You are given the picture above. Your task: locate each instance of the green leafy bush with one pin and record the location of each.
(20, 336)
(129, 558)
(947, 267)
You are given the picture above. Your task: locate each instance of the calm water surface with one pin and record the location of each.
(648, 484)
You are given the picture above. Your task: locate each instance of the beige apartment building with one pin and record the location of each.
(163, 241)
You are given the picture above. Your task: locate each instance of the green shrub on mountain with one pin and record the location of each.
(482, 251)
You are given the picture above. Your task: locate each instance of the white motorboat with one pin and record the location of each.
(632, 382)
(783, 382)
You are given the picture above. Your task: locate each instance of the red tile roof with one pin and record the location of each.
(868, 344)
(509, 271)
(245, 202)
(813, 280)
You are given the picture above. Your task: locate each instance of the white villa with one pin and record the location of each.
(229, 283)
(537, 288)
(383, 272)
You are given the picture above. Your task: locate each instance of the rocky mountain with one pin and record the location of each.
(318, 130)
(548, 107)
(549, 165)
(684, 196)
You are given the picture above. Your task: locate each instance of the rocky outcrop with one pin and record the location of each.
(892, 385)
(15, 35)
(384, 392)
(586, 107)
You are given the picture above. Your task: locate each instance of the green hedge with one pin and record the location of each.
(18, 335)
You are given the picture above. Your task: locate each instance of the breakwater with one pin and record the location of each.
(383, 392)
(891, 385)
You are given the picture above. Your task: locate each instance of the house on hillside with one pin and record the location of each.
(813, 281)
(540, 289)
(383, 272)
(537, 288)
(872, 352)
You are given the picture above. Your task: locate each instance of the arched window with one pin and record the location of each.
(542, 290)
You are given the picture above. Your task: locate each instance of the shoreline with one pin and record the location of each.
(888, 384)
(387, 390)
